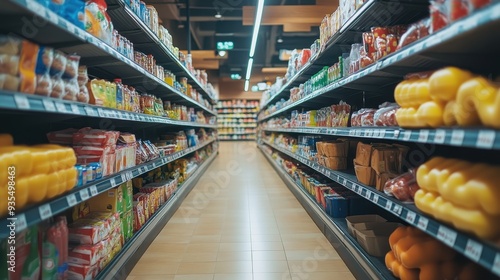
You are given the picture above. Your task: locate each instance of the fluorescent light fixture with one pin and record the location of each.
(218, 15)
(222, 53)
(258, 19)
(247, 83)
(249, 69)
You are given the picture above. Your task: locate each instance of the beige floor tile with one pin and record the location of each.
(194, 277)
(199, 257)
(322, 254)
(268, 256)
(167, 257)
(235, 238)
(233, 276)
(154, 268)
(202, 248)
(272, 276)
(205, 238)
(305, 245)
(235, 247)
(234, 256)
(180, 239)
(167, 248)
(312, 265)
(323, 276)
(233, 267)
(267, 246)
(266, 238)
(196, 268)
(152, 277)
(270, 266)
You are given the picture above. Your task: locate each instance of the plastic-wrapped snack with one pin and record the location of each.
(58, 88)
(71, 69)
(386, 115)
(403, 187)
(58, 64)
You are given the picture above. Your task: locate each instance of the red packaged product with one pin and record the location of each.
(439, 15)
(95, 137)
(386, 115)
(82, 272)
(93, 150)
(392, 43)
(415, 32)
(88, 231)
(62, 137)
(458, 9)
(139, 216)
(403, 187)
(476, 4)
(144, 197)
(85, 254)
(369, 42)
(380, 32)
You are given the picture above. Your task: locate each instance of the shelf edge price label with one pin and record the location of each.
(422, 223)
(21, 223)
(75, 109)
(423, 135)
(61, 107)
(22, 101)
(410, 217)
(388, 205)
(112, 181)
(485, 139)
(90, 111)
(375, 198)
(440, 136)
(473, 250)
(84, 194)
(45, 211)
(396, 133)
(93, 190)
(398, 209)
(447, 235)
(130, 175)
(123, 177)
(71, 199)
(457, 137)
(49, 105)
(344, 182)
(406, 135)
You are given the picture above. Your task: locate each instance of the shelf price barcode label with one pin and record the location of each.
(375, 198)
(376, 133)
(101, 112)
(473, 250)
(93, 190)
(388, 205)
(423, 136)
(422, 223)
(485, 139)
(396, 134)
(21, 223)
(129, 175)
(447, 235)
(84, 194)
(112, 181)
(397, 209)
(61, 107)
(382, 133)
(344, 182)
(45, 211)
(358, 132)
(22, 101)
(410, 217)
(457, 137)
(368, 194)
(90, 111)
(49, 105)
(71, 199)
(75, 109)
(406, 135)
(440, 136)
(351, 132)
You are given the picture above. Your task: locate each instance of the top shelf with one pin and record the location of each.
(135, 30)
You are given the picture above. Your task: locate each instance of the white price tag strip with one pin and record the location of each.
(84, 194)
(90, 112)
(75, 109)
(61, 107)
(423, 136)
(388, 205)
(447, 235)
(112, 181)
(473, 250)
(396, 133)
(45, 211)
(422, 223)
(123, 177)
(21, 223)
(440, 136)
(457, 137)
(406, 135)
(375, 198)
(485, 139)
(410, 217)
(49, 105)
(100, 112)
(72, 201)
(93, 191)
(22, 101)
(397, 209)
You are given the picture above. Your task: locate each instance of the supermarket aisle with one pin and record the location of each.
(240, 222)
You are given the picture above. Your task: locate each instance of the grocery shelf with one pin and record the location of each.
(481, 252)
(123, 263)
(232, 126)
(239, 139)
(103, 61)
(371, 13)
(465, 43)
(34, 103)
(362, 265)
(237, 107)
(38, 213)
(240, 133)
(134, 29)
(245, 112)
(480, 138)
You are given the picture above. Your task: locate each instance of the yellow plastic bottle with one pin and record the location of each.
(444, 83)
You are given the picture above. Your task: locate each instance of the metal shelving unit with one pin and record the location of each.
(125, 260)
(362, 265)
(236, 120)
(481, 252)
(38, 213)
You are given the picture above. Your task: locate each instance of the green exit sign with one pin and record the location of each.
(225, 46)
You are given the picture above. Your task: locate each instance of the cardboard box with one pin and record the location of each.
(110, 200)
(365, 174)
(382, 178)
(385, 159)
(351, 220)
(376, 240)
(335, 163)
(335, 149)
(363, 154)
(374, 225)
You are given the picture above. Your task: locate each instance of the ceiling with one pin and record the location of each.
(206, 30)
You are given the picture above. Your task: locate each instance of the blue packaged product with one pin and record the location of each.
(44, 60)
(82, 175)
(96, 170)
(336, 206)
(142, 11)
(74, 12)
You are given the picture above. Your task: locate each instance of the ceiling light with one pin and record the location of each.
(258, 19)
(222, 53)
(218, 15)
(247, 83)
(249, 69)
(280, 40)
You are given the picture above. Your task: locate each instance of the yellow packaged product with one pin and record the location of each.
(37, 186)
(478, 102)
(444, 83)
(52, 185)
(15, 156)
(97, 92)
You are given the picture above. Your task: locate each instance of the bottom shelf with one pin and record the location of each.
(121, 266)
(362, 265)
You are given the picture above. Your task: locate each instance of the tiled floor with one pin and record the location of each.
(240, 222)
